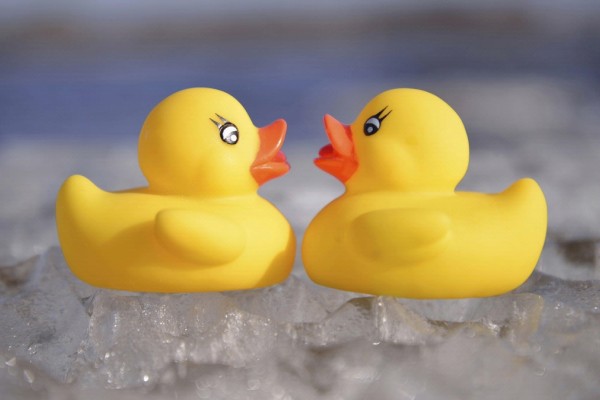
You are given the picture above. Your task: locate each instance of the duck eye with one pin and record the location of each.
(372, 126)
(229, 133)
(374, 122)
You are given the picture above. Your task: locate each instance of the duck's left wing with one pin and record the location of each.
(200, 237)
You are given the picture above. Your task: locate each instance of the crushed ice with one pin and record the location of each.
(295, 340)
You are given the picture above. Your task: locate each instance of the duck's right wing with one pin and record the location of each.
(200, 237)
(400, 235)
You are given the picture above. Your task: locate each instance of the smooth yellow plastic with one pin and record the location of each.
(200, 224)
(400, 228)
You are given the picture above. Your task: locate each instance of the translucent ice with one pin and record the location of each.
(62, 338)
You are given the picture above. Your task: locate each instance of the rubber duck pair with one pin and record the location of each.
(400, 228)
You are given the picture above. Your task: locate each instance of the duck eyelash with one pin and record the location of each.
(223, 121)
(378, 115)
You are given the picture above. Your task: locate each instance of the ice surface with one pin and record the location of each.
(297, 340)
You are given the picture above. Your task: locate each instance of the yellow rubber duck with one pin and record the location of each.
(400, 228)
(199, 225)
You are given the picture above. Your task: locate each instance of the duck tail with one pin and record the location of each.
(73, 203)
(527, 190)
(527, 198)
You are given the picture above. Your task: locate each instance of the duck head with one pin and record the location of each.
(403, 140)
(201, 141)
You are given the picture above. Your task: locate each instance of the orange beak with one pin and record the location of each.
(338, 158)
(270, 161)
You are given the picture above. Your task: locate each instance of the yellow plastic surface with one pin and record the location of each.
(200, 224)
(400, 228)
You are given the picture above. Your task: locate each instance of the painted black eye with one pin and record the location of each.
(229, 133)
(373, 124)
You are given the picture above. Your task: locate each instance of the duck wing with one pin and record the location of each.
(400, 235)
(200, 237)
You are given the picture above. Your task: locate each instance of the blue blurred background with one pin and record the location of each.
(94, 69)
(78, 78)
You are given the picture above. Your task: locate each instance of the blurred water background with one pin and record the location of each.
(92, 70)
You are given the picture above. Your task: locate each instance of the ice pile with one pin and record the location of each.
(64, 339)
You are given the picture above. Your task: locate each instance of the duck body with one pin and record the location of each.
(400, 228)
(199, 225)
(122, 240)
(428, 245)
